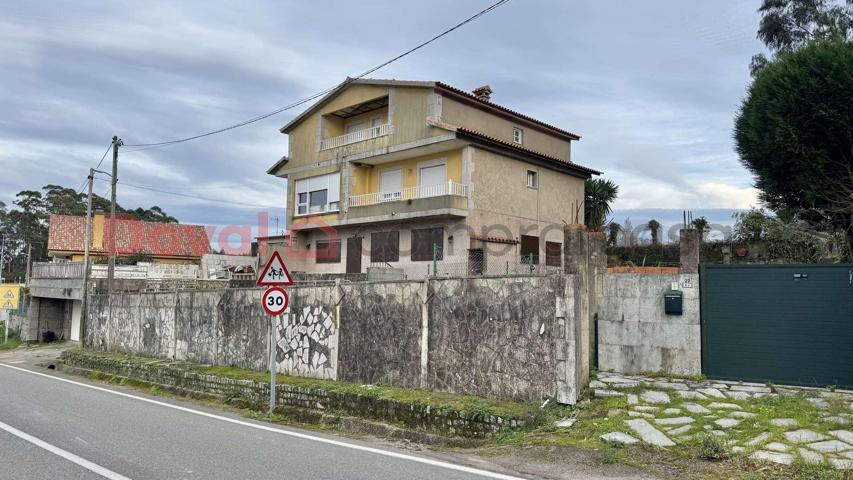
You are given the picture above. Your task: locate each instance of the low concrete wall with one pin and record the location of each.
(503, 337)
(634, 333)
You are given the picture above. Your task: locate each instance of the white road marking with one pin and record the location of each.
(92, 467)
(303, 436)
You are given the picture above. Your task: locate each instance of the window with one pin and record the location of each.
(529, 249)
(385, 247)
(328, 251)
(553, 254)
(354, 127)
(319, 194)
(423, 240)
(391, 185)
(517, 135)
(532, 179)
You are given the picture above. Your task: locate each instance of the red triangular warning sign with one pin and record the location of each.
(8, 304)
(274, 273)
(9, 294)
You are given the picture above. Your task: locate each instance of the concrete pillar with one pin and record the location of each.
(576, 264)
(689, 250)
(597, 267)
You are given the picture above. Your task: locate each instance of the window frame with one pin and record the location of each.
(327, 245)
(534, 175)
(422, 253)
(384, 253)
(553, 254)
(308, 187)
(517, 135)
(524, 244)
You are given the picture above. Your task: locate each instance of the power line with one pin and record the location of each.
(146, 146)
(197, 197)
(83, 185)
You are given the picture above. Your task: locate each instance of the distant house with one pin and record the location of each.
(161, 242)
(158, 250)
(269, 244)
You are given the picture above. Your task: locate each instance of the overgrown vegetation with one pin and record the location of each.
(14, 338)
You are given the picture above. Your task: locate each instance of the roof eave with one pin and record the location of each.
(526, 154)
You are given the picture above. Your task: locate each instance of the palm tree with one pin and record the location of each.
(654, 228)
(613, 233)
(598, 194)
(701, 224)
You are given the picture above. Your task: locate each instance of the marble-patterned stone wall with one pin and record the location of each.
(495, 336)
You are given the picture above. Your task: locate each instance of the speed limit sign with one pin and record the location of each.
(275, 301)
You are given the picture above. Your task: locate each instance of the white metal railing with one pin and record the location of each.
(357, 136)
(424, 191)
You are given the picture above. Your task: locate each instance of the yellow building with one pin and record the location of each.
(399, 173)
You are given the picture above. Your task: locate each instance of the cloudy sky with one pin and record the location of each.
(652, 87)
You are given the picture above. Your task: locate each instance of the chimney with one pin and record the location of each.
(483, 93)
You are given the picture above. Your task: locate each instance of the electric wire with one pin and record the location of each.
(146, 146)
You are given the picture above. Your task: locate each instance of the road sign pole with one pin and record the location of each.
(272, 361)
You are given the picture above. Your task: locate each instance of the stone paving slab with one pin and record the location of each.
(633, 399)
(843, 435)
(739, 414)
(711, 392)
(654, 396)
(672, 411)
(780, 458)
(803, 436)
(830, 446)
(727, 422)
(649, 434)
(761, 438)
(777, 447)
(690, 395)
(724, 406)
(842, 464)
(810, 457)
(607, 393)
(695, 408)
(674, 421)
(783, 422)
(680, 430)
(619, 437)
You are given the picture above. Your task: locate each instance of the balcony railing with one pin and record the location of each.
(449, 188)
(358, 136)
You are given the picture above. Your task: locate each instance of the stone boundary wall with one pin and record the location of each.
(506, 337)
(634, 333)
(411, 415)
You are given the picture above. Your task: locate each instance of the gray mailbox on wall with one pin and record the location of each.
(673, 302)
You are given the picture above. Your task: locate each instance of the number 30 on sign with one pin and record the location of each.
(275, 301)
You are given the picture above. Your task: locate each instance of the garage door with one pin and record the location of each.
(786, 324)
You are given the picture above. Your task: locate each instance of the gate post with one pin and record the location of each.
(576, 263)
(688, 239)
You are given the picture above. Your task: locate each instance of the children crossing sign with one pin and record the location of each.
(10, 295)
(275, 273)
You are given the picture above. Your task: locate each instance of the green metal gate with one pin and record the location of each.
(786, 324)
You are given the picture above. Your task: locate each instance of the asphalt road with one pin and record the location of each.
(55, 429)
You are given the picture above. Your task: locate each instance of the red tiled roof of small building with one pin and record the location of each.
(67, 234)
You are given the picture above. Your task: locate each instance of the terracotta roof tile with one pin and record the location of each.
(471, 96)
(67, 234)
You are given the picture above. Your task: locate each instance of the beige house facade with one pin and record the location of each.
(414, 174)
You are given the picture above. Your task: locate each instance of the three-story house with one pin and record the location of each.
(408, 173)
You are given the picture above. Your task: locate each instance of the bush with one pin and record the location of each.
(712, 447)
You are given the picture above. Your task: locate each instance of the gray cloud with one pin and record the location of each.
(651, 86)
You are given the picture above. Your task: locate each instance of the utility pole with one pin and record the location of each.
(84, 310)
(112, 265)
(2, 258)
(29, 262)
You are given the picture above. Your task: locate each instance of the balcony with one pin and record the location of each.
(446, 199)
(357, 136)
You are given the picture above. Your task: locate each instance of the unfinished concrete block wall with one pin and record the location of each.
(508, 337)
